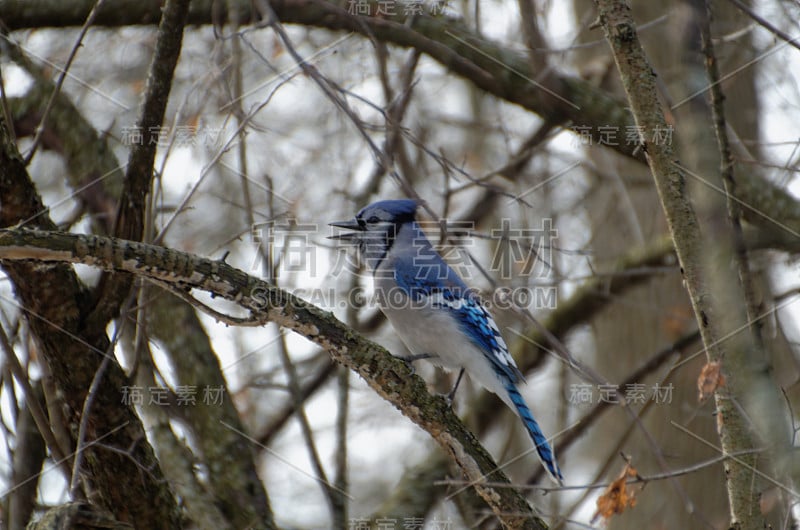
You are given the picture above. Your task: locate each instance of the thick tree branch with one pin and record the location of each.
(129, 224)
(388, 376)
(53, 301)
(96, 176)
(233, 480)
(507, 74)
(29, 456)
(94, 173)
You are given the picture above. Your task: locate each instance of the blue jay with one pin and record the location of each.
(433, 311)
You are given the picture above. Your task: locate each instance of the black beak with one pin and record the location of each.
(351, 224)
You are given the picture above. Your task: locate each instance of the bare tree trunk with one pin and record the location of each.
(626, 212)
(717, 297)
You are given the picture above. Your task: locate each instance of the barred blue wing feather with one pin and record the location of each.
(429, 276)
(479, 326)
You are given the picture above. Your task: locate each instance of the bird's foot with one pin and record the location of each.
(409, 360)
(450, 396)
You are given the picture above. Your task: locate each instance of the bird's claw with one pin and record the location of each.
(449, 398)
(409, 360)
(411, 366)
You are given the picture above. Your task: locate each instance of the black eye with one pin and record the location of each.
(372, 220)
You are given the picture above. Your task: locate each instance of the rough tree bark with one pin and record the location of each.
(717, 297)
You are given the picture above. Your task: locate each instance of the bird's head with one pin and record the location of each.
(374, 228)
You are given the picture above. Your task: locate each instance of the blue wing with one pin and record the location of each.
(430, 277)
(427, 276)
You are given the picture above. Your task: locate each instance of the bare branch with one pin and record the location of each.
(46, 113)
(391, 378)
(792, 41)
(29, 456)
(34, 405)
(129, 223)
(234, 483)
(487, 64)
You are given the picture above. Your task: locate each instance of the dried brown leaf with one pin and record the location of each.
(710, 380)
(617, 497)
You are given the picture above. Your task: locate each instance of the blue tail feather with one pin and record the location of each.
(544, 450)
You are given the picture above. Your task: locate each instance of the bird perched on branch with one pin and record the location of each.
(434, 312)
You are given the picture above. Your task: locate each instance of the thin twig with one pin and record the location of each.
(206, 171)
(791, 41)
(787, 487)
(328, 87)
(33, 404)
(588, 373)
(640, 479)
(340, 479)
(50, 102)
(230, 320)
(85, 413)
(91, 395)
